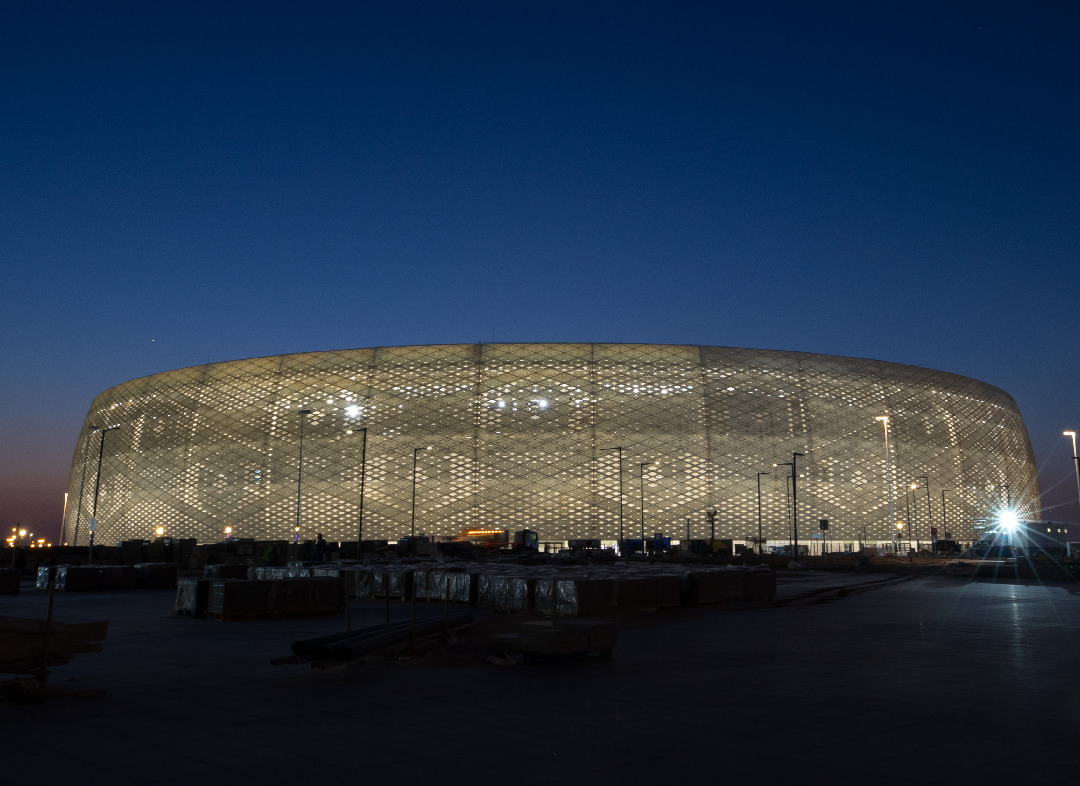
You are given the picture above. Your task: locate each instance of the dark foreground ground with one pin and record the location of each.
(928, 680)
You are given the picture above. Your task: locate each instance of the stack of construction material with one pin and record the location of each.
(117, 576)
(569, 597)
(155, 574)
(224, 571)
(233, 599)
(71, 577)
(192, 597)
(455, 586)
(550, 590)
(23, 642)
(505, 592)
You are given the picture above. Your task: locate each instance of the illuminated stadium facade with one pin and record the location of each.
(571, 440)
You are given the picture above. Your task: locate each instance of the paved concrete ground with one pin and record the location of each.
(928, 680)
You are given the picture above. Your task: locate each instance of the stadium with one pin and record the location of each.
(575, 441)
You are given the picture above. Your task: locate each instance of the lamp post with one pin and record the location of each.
(620, 496)
(787, 490)
(643, 465)
(760, 541)
(710, 516)
(1076, 461)
(300, 469)
(360, 521)
(944, 520)
(97, 488)
(412, 520)
(795, 504)
(914, 517)
(82, 485)
(888, 475)
(929, 510)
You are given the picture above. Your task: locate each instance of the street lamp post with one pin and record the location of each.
(643, 465)
(82, 485)
(929, 510)
(412, 519)
(97, 488)
(360, 521)
(760, 541)
(1076, 461)
(944, 521)
(787, 490)
(795, 503)
(300, 469)
(914, 517)
(710, 516)
(888, 475)
(620, 497)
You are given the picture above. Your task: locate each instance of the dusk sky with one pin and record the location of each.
(185, 182)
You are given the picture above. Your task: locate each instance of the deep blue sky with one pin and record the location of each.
(193, 181)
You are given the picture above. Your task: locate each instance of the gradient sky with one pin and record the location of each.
(192, 181)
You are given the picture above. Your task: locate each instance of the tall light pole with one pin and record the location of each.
(760, 541)
(795, 503)
(888, 475)
(412, 519)
(82, 484)
(710, 516)
(97, 488)
(787, 490)
(944, 520)
(643, 465)
(300, 470)
(620, 497)
(360, 521)
(1076, 461)
(929, 510)
(914, 518)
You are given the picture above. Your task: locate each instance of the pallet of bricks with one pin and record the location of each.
(242, 599)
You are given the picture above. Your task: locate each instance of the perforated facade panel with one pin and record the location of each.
(520, 435)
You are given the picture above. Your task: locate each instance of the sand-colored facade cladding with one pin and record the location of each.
(572, 440)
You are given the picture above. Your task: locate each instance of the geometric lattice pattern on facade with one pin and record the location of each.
(540, 435)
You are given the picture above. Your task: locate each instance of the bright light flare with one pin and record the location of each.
(1009, 520)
